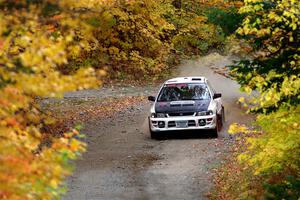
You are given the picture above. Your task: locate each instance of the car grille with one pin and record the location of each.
(171, 124)
(181, 114)
(191, 123)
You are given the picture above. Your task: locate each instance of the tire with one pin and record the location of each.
(153, 135)
(156, 135)
(223, 115)
(219, 124)
(215, 132)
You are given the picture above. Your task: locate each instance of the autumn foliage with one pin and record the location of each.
(268, 168)
(33, 50)
(48, 47)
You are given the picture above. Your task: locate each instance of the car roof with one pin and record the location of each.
(189, 79)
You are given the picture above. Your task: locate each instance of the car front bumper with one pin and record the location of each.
(175, 123)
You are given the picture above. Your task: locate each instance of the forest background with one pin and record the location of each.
(48, 47)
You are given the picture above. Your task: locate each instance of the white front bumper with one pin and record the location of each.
(210, 123)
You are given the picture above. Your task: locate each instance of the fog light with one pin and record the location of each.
(202, 122)
(161, 124)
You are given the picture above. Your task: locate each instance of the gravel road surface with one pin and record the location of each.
(122, 162)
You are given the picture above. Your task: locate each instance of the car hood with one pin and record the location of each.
(182, 106)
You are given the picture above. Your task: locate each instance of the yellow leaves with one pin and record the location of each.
(247, 89)
(275, 81)
(200, 19)
(43, 53)
(54, 84)
(247, 29)
(284, 12)
(113, 50)
(12, 100)
(84, 79)
(76, 146)
(272, 92)
(263, 32)
(242, 100)
(290, 86)
(54, 183)
(33, 117)
(236, 128)
(34, 59)
(101, 73)
(275, 149)
(279, 144)
(273, 16)
(92, 4)
(257, 7)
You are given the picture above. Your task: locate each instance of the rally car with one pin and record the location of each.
(186, 103)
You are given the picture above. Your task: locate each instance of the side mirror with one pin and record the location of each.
(217, 95)
(151, 98)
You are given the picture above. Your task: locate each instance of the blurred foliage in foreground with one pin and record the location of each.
(35, 51)
(48, 47)
(269, 168)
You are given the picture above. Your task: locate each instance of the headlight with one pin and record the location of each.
(204, 113)
(209, 112)
(201, 113)
(161, 115)
(158, 115)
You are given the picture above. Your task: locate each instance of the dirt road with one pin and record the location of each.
(122, 162)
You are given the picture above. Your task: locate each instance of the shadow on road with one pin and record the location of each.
(190, 134)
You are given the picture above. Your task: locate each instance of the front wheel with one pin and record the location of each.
(223, 115)
(219, 124)
(153, 135)
(156, 135)
(215, 131)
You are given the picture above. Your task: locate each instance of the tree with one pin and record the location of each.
(48, 47)
(272, 156)
(36, 45)
(273, 29)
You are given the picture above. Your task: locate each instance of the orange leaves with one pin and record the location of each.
(11, 122)
(1, 44)
(11, 99)
(76, 146)
(51, 28)
(34, 56)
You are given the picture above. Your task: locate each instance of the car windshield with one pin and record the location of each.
(184, 91)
